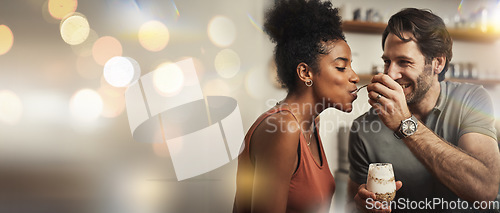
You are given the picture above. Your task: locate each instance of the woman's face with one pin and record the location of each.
(335, 83)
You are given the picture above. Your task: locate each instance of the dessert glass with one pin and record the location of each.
(381, 181)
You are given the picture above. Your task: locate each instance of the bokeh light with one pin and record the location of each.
(221, 31)
(153, 36)
(216, 87)
(113, 99)
(86, 105)
(121, 71)
(59, 9)
(46, 14)
(106, 48)
(45, 107)
(496, 18)
(168, 79)
(6, 39)
(200, 72)
(75, 29)
(138, 193)
(227, 63)
(11, 107)
(256, 83)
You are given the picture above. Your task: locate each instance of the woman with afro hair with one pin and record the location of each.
(282, 167)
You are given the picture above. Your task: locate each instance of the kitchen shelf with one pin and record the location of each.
(456, 34)
(485, 82)
(363, 27)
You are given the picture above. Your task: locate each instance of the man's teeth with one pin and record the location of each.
(404, 85)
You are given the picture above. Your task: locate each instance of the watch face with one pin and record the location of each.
(409, 127)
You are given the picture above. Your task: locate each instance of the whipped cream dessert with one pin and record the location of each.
(381, 181)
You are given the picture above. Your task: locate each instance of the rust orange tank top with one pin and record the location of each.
(311, 187)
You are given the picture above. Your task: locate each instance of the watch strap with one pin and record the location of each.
(399, 132)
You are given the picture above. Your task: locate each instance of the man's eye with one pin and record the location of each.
(340, 68)
(404, 62)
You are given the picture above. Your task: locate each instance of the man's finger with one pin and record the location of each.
(364, 193)
(387, 81)
(399, 184)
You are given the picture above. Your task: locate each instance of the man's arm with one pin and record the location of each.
(471, 170)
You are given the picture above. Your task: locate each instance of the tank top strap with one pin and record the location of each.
(270, 112)
(285, 108)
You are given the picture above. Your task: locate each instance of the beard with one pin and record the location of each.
(422, 86)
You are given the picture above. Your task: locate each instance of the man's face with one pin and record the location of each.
(406, 65)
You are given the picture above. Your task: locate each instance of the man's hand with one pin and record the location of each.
(364, 204)
(388, 99)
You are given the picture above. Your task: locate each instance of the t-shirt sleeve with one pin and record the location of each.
(479, 114)
(358, 158)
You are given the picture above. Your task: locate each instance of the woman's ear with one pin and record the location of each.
(438, 64)
(304, 72)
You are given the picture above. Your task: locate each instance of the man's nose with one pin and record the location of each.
(393, 71)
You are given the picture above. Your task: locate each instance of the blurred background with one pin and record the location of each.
(65, 140)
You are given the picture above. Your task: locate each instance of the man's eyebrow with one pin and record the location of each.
(398, 57)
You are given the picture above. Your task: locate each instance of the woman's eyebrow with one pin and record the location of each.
(342, 58)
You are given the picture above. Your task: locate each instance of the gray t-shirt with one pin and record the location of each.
(461, 108)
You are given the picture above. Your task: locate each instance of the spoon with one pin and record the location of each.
(361, 88)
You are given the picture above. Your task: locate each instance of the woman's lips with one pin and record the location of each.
(354, 95)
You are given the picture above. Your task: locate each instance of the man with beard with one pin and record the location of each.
(438, 135)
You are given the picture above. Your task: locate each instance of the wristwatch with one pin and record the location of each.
(408, 127)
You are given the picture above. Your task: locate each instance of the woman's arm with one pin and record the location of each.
(273, 149)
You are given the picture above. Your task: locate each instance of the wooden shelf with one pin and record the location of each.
(363, 27)
(456, 34)
(485, 82)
